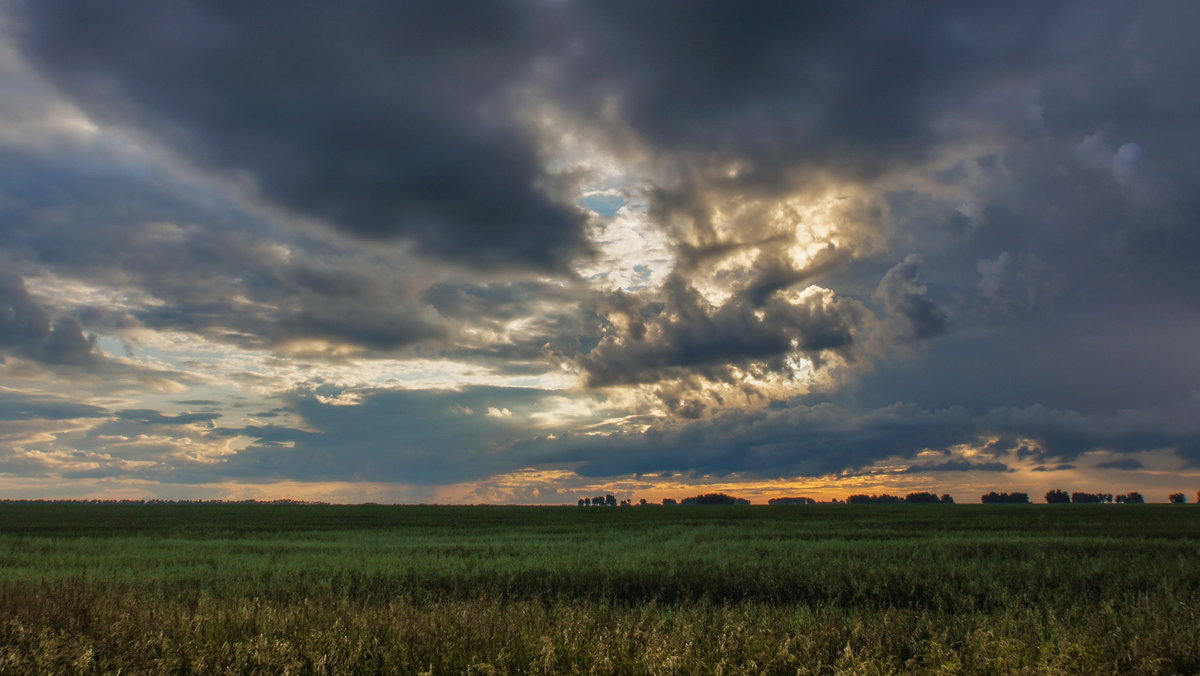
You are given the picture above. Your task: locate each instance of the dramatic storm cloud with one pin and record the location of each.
(392, 119)
(512, 250)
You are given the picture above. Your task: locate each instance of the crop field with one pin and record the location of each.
(977, 589)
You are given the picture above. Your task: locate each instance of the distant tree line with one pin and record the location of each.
(791, 501)
(911, 498)
(715, 499)
(706, 499)
(929, 499)
(802, 501)
(864, 499)
(1061, 497)
(994, 498)
(1056, 496)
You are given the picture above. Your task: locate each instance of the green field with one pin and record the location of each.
(972, 589)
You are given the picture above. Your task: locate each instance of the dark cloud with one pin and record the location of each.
(219, 271)
(746, 107)
(409, 436)
(16, 405)
(516, 327)
(148, 416)
(825, 439)
(1017, 287)
(849, 88)
(24, 322)
(62, 349)
(1068, 434)
(1053, 468)
(686, 335)
(1096, 361)
(389, 120)
(783, 93)
(905, 299)
(799, 441)
(374, 328)
(27, 329)
(499, 300)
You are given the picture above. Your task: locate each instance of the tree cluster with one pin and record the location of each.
(864, 499)
(1057, 497)
(1061, 497)
(715, 499)
(994, 498)
(599, 501)
(791, 501)
(924, 498)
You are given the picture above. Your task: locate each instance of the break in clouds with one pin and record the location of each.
(438, 245)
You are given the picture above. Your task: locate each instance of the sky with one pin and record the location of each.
(527, 251)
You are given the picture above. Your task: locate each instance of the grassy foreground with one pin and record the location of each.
(818, 589)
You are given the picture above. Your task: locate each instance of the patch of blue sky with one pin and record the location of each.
(642, 277)
(113, 346)
(605, 204)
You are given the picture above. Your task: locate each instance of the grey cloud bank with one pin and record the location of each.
(887, 229)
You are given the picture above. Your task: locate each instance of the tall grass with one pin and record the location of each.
(869, 589)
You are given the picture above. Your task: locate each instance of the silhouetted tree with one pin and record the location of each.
(791, 501)
(1131, 498)
(669, 502)
(994, 498)
(1057, 496)
(1090, 498)
(947, 500)
(884, 499)
(715, 499)
(584, 501)
(610, 500)
(922, 498)
(1177, 498)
